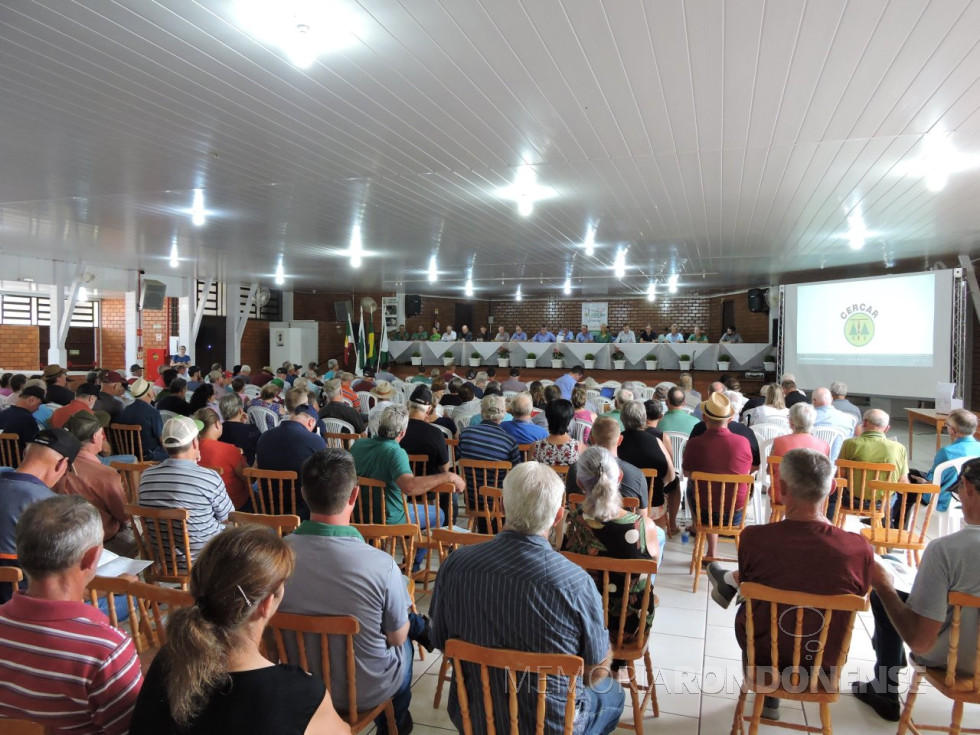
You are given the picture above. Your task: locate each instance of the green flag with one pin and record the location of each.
(369, 355)
(383, 356)
(361, 347)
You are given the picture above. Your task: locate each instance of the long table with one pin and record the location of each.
(704, 355)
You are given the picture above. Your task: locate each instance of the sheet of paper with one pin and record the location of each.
(113, 565)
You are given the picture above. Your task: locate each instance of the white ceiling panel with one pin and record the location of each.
(729, 143)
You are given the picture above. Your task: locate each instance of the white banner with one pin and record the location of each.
(595, 313)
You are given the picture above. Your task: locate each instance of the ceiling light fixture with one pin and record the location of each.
(857, 233)
(82, 295)
(468, 289)
(517, 295)
(568, 287)
(433, 271)
(356, 246)
(672, 283)
(590, 241)
(280, 273)
(174, 259)
(525, 191)
(197, 208)
(619, 266)
(936, 161)
(652, 291)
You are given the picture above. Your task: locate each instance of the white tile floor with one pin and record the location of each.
(697, 661)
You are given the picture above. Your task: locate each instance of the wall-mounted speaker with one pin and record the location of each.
(342, 309)
(757, 300)
(152, 295)
(413, 305)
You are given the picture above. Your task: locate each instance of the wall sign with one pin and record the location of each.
(595, 313)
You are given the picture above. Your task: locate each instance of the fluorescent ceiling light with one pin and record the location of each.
(672, 283)
(517, 295)
(280, 273)
(568, 286)
(174, 259)
(936, 161)
(82, 295)
(303, 29)
(468, 290)
(590, 241)
(356, 246)
(857, 233)
(525, 191)
(197, 208)
(652, 291)
(433, 271)
(620, 265)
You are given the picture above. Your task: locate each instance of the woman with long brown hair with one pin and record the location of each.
(211, 675)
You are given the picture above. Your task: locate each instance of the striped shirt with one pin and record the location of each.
(63, 665)
(517, 592)
(182, 483)
(486, 441)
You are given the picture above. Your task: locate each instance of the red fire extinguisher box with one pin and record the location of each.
(156, 357)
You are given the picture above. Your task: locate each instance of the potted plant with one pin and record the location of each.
(447, 358)
(557, 358)
(723, 362)
(619, 360)
(530, 360)
(503, 357)
(474, 359)
(416, 358)
(685, 362)
(651, 361)
(769, 363)
(589, 360)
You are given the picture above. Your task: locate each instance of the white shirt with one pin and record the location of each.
(625, 336)
(449, 336)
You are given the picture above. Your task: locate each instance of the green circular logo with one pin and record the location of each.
(859, 329)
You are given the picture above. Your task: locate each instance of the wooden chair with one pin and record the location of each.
(162, 537)
(860, 501)
(130, 474)
(527, 450)
(453, 446)
(340, 440)
(398, 539)
(442, 497)
(148, 606)
(799, 678)
(366, 510)
(519, 666)
(321, 627)
(23, 727)
(657, 513)
(420, 464)
(574, 500)
(480, 473)
(9, 450)
(13, 576)
(561, 470)
(283, 525)
(492, 500)
(618, 578)
(275, 490)
(727, 487)
(961, 689)
(777, 508)
(887, 537)
(126, 439)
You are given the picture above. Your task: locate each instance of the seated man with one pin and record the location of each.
(644, 450)
(334, 406)
(828, 415)
(606, 434)
(287, 446)
(838, 391)
(236, 429)
(141, 413)
(84, 400)
(677, 419)
(421, 437)
(381, 457)
(623, 396)
(514, 384)
(489, 442)
(520, 427)
(64, 665)
(176, 400)
(961, 425)
(338, 574)
(100, 485)
(516, 592)
(179, 482)
(19, 418)
(922, 619)
(839, 562)
(56, 379)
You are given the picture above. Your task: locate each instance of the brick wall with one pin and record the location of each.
(113, 334)
(156, 332)
(255, 344)
(19, 347)
(754, 327)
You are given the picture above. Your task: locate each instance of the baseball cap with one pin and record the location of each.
(140, 387)
(83, 425)
(33, 391)
(111, 376)
(60, 441)
(135, 366)
(180, 431)
(88, 389)
(422, 395)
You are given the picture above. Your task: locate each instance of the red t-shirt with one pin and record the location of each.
(721, 452)
(801, 556)
(227, 457)
(783, 444)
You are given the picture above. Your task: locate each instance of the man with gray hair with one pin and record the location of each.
(623, 396)
(838, 392)
(827, 415)
(64, 665)
(520, 427)
(335, 407)
(381, 457)
(516, 592)
(961, 425)
(838, 562)
(236, 429)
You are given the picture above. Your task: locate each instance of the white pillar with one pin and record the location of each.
(57, 354)
(134, 350)
(233, 346)
(186, 306)
(287, 306)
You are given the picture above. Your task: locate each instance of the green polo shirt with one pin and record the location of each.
(385, 460)
(678, 420)
(874, 446)
(315, 528)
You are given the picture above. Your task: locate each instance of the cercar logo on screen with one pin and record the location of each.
(859, 324)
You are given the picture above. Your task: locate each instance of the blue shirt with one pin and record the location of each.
(286, 447)
(673, 337)
(524, 432)
(566, 383)
(517, 592)
(546, 337)
(584, 337)
(142, 414)
(965, 446)
(518, 337)
(19, 421)
(830, 416)
(18, 490)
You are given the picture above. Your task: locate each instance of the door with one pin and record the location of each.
(464, 315)
(727, 315)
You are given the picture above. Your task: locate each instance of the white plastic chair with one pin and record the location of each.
(167, 415)
(761, 480)
(366, 400)
(951, 519)
(829, 434)
(444, 430)
(252, 391)
(264, 418)
(338, 426)
(678, 442)
(578, 428)
(769, 430)
(462, 420)
(665, 384)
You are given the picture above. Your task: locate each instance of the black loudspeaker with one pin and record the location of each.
(757, 300)
(413, 305)
(342, 309)
(152, 295)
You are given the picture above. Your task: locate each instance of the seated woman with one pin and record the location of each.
(602, 527)
(558, 447)
(227, 458)
(774, 407)
(604, 334)
(580, 398)
(202, 396)
(536, 389)
(211, 675)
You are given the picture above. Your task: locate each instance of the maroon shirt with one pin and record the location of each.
(801, 556)
(720, 452)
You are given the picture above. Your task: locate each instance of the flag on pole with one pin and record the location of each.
(369, 354)
(361, 347)
(350, 346)
(383, 355)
